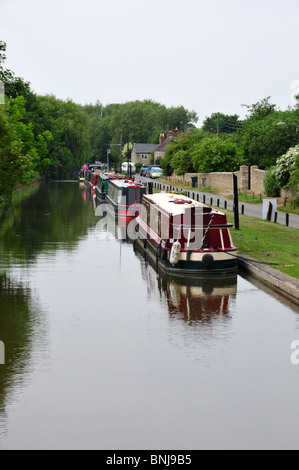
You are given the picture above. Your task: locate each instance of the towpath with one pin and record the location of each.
(252, 210)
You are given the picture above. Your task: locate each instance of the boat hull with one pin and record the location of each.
(194, 264)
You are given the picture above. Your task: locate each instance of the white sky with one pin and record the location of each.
(208, 56)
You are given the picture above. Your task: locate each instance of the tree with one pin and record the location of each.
(178, 156)
(13, 163)
(263, 141)
(227, 123)
(261, 109)
(68, 125)
(216, 154)
(14, 86)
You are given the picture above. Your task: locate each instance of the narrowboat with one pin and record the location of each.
(102, 184)
(91, 180)
(124, 198)
(81, 176)
(185, 237)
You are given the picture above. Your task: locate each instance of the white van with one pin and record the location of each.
(124, 167)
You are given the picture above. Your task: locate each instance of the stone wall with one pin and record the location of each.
(257, 180)
(223, 181)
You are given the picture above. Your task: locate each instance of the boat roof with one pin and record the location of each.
(177, 204)
(126, 183)
(108, 176)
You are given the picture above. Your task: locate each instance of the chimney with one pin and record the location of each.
(161, 138)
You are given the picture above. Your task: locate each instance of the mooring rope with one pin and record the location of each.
(207, 231)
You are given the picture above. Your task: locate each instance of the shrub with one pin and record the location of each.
(286, 166)
(271, 183)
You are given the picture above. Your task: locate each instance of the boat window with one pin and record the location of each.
(164, 227)
(154, 219)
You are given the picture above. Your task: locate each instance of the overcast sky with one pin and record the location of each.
(208, 56)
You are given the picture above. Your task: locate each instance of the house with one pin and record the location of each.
(164, 142)
(141, 153)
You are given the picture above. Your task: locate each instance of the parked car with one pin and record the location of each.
(156, 172)
(150, 169)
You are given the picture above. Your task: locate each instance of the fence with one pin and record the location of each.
(251, 210)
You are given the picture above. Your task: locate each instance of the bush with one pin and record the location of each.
(286, 166)
(138, 166)
(271, 183)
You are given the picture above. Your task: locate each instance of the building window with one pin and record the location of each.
(144, 156)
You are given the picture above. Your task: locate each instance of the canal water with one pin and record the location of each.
(102, 352)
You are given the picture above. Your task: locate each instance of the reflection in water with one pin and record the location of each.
(125, 357)
(48, 218)
(22, 330)
(193, 300)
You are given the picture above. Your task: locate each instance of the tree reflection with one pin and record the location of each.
(22, 327)
(53, 214)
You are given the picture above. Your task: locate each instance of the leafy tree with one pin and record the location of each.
(68, 125)
(263, 141)
(227, 123)
(216, 154)
(14, 86)
(261, 109)
(178, 156)
(13, 163)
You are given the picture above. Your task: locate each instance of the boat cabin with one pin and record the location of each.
(186, 237)
(125, 198)
(102, 184)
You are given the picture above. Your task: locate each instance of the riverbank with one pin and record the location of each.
(278, 281)
(274, 245)
(269, 252)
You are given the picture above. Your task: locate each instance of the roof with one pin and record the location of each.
(144, 148)
(164, 145)
(126, 183)
(176, 204)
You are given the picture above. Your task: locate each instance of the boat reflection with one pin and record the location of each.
(191, 300)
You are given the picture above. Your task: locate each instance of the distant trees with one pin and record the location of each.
(135, 121)
(223, 123)
(42, 135)
(48, 137)
(257, 140)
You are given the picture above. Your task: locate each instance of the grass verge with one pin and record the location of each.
(273, 244)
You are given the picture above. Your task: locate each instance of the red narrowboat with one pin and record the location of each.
(124, 198)
(185, 237)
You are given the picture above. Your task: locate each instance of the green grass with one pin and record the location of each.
(270, 243)
(207, 189)
(247, 198)
(289, 208)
